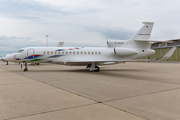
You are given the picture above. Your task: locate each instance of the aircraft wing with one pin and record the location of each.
(166, 56)
(155, 41)
(85, 63)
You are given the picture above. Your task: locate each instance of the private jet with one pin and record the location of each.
(117, 51)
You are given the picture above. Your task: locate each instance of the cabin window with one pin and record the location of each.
(55, 52)
(81, 52)
(74, 52)
(59, 52)
(95, 53)
(44, 52)
(51, 52)
(47, 52)
(70, 52)
(92, 53)
(99, 53)
(142, 50)
(88, 53)
(62, 52)
(77, 52)
(66, 52)
(85, 53)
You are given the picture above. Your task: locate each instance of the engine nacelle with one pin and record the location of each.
(124, 51)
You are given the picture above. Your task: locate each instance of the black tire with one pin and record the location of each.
(25, 69)
(97, 69)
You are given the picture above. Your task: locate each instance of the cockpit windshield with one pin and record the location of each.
(20, 51)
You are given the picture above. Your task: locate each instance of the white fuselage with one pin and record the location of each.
(62, 55)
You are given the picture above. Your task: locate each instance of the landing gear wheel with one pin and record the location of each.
(97, 69)
(25, 69)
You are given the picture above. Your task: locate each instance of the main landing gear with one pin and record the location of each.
(26, 67)
(93, 67)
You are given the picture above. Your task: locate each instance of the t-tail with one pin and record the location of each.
(145, 32)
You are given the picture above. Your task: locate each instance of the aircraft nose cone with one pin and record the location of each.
(9, 57)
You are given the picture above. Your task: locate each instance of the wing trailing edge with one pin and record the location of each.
(156, 41)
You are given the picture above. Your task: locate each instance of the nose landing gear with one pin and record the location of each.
(26, 67)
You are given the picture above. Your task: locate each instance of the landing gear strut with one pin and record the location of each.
(26, 67)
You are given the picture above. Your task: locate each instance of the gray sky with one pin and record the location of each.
(83, 22)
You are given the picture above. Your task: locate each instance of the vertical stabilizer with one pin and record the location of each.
(144, 32)
(60, 44)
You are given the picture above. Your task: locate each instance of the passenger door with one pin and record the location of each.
(30, 55)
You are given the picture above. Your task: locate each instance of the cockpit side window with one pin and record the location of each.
(20, 51)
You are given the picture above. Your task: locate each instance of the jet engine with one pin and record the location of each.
(124, 51)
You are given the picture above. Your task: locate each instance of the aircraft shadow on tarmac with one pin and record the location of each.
(77, 70)
(106, 72)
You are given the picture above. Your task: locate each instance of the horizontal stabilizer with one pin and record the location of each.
(167, 55)
(156, 41)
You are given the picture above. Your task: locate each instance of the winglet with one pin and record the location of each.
(167, 55)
